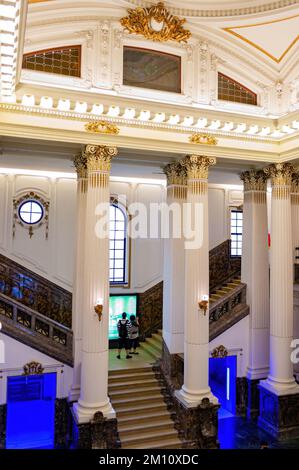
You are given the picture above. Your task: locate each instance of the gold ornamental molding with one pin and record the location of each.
(156, 23)
(102, 127)
(204, 139)
(220, 351)
(281, 177)
(33, 368)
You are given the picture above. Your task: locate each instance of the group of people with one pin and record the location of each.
(128, 333)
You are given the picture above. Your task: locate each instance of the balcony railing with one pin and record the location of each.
(36, 330)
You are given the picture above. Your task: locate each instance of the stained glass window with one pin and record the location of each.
(61, 60)
(230, 90)
(236, 230)
(152, 69)
(118, 245)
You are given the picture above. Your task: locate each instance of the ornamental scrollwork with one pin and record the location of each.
(220, 351)
(102, 127)
(204, 139)
(31, 196)
(198, 166)
(175, 174)
(156, 23)
(33, 368)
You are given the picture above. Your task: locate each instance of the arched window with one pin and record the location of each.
(62, 60)
(118, 244)
(231, 90)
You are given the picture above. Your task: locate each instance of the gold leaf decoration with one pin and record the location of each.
(101, 127)
(156, 23)
(204, 139)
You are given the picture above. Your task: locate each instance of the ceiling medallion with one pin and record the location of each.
(205, 139)
(101, 127)
(156, 23)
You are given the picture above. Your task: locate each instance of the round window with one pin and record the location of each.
(31, 212)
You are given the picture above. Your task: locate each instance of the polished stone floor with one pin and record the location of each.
(239, 433)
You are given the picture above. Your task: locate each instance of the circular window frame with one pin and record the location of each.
(43, 210)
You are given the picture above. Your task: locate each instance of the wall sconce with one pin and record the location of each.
(98, 308)
(203, 304)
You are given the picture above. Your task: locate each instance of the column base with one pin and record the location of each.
(74, 393)
(253, 398)
(3, 413)
(62, 423)
(99, 433)
(198, 425)
(192, 400)
(279, 413)
(85, 414)
(172, 366)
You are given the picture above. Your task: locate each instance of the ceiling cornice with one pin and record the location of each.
(262, 7)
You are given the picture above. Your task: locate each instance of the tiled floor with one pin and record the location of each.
(238, 433)
(141, 360)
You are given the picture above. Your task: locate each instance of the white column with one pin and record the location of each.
(174, 261)
(295, 215)
(280, 379)
(196, 347)
(78, 295)
(94, 369)
(255, 271)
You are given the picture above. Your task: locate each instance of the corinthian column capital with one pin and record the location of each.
(280, 173)
(254, 180)
(80, 165)
(295, 183)
(176, 174)
(98, 157)
(197, 166)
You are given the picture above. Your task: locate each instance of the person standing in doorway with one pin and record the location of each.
(123, 326)
(133, 334)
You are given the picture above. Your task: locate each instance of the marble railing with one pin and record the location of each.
(35, 292)
(228, 310)
(36, 330)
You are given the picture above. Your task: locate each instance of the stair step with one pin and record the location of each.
(173, 443)
(143, 418)
(134, 393)
(148, 437)
(131, 371)
(124, 384)
(142, 410)
(131, 378)
(134, 401)
(165, 424)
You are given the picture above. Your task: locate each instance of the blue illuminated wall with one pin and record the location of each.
(222, 380)
(31, 411)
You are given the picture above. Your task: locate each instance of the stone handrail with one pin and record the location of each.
(36, 330)
(228, 310)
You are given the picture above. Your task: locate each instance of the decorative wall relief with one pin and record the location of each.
(31, 211)
(156, 23)
(101, 127)
(33, 368)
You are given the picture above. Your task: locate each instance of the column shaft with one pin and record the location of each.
(78, 282)
(196, 348)
(255, 271)
(280, 379)
(174, 261)
(94, 369)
